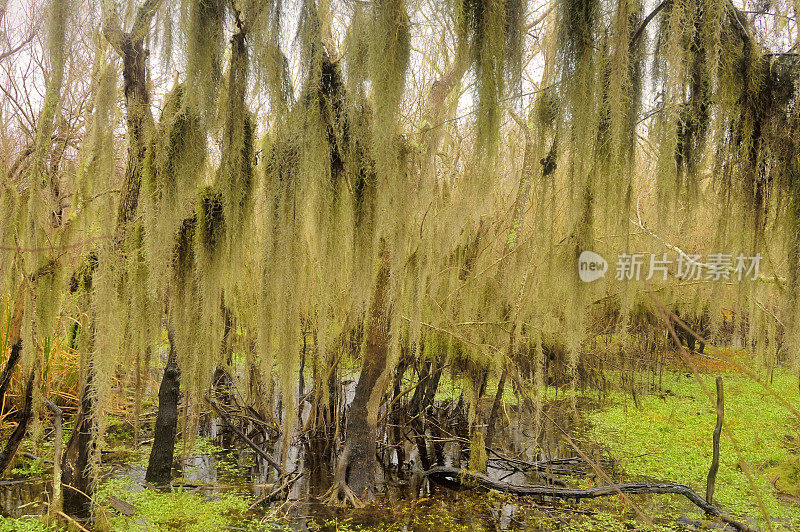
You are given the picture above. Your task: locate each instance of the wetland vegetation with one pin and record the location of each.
(390, 265)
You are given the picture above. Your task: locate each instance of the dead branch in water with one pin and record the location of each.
(455, 478)
(554, 466)
(278, 489)
(242, 436)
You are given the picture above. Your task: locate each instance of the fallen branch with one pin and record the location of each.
(73, 521)
(242, 436)
(123, 507)
(555, 466)
(278, 489)
(455, 478)
(6, 483)
(31, 456)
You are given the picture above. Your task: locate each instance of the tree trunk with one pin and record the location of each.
(58, 423)
(496, 405)
(76, 473)
(7, 454)
(355, 473)
(421, 402)
(11, 364)
(14, 338)
(712, 472)
(139, 119)
(159, 468)
(75, 460)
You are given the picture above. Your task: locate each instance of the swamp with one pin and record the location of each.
(399, 265)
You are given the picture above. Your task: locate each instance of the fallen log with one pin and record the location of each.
(123, 507)
(455, 478)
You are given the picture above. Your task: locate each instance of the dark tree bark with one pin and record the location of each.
(8, 370)
(7, 454)
(75, 457)
(139, 121)
(395, 416)
(14, 338)
(75, 472)
(159, 468)
(355, 472)
(712, 472)
(139, 118)
(421, 402)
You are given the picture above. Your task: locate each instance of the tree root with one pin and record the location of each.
(455, 478)
(340, 494)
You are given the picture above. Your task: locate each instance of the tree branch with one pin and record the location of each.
(144, 16)
(112, 30)
(645, 22)
(17, 48)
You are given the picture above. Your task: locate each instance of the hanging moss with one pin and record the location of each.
(178, 149)
(173, 166)
(578, 26)
(270, 63)
(49, 292)
(236, 177)
(205, 33)
(185, 312)
(485, 24)
(389, 53)
(212, 271)
(210, 224)
(183, 261)
(515, 19)
(477, 452)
